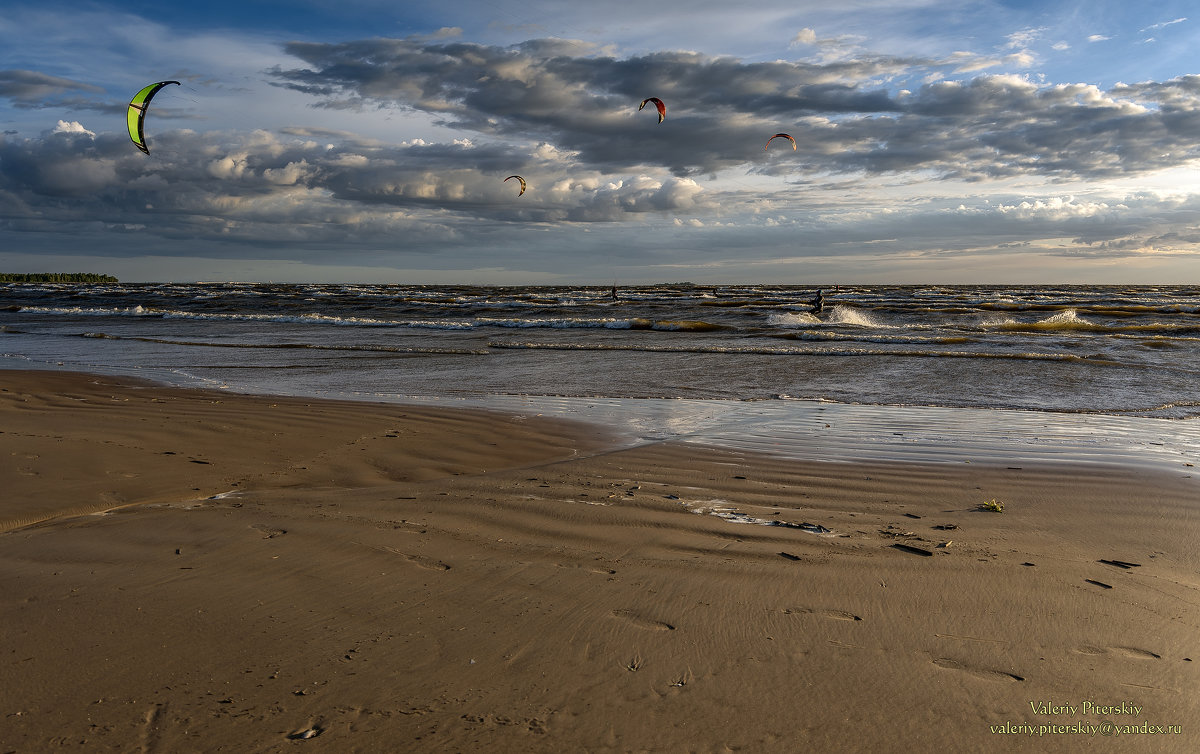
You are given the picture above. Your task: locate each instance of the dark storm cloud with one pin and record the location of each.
(852, 115)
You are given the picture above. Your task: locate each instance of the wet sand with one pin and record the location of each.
(203, 571)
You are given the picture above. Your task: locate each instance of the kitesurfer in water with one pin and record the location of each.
(818, 303)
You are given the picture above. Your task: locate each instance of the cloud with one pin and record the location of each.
(304, 194)
(804, 37)
(846, 115)
(1057, 208)
(31, 88)
(1024, 38)
(563, 114)
(558, 91)
(1178, 97)
(72, 127)
(1163, 24)
(261, 186)
(882, 140)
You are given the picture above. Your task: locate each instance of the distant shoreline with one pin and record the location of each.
(56, 277)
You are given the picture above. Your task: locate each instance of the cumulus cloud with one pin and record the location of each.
(260, 186)
(72, 127)
(1056, 207)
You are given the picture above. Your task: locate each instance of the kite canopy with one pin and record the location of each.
(785, 136)
(519, 178)
(137, 113)
(662, 109)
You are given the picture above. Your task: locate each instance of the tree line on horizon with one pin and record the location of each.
(56, 277)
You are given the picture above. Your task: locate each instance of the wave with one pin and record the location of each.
(153, 313)
(576, 323)
(734, 303)
(849, 315)
(839, 314)
(803, 351)
(793, 319)
(1106, 310)
(1139, 310)
(1182, 405)
(308, 346)
(825, 335)
(1069, 320)
(612, 323)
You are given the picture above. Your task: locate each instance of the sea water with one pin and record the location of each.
(890, 372)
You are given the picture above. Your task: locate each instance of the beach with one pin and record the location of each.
(191, 570)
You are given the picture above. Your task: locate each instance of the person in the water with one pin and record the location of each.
(818, 303)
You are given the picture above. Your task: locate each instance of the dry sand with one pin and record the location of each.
(389, 578)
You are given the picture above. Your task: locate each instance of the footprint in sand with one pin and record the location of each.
(641, 621)
(1133, 652)
(152, 726)
(831, 614)
(426, 563)
(268, 532)
(418, 560)
(984, 673)
(1137, 654)
(306, 733)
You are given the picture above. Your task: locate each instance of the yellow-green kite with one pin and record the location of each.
(137, 113)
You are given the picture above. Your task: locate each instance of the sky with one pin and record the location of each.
(993, 141)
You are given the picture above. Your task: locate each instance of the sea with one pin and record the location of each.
(937, 373)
